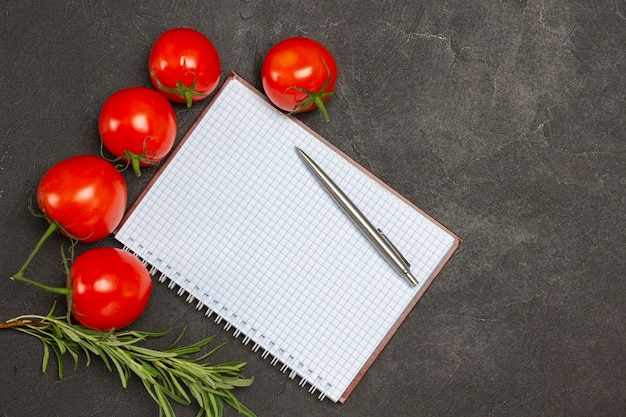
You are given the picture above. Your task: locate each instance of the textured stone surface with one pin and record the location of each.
(505, 120)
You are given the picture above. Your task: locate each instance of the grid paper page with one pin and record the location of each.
(239, 222)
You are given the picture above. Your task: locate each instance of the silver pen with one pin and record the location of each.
(376, 236)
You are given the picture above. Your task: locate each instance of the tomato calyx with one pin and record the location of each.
(134, 160)
(316, 98)
(181, 89)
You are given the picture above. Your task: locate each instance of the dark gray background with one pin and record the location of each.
(504, 119)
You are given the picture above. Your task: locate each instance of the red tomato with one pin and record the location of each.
(184, 65)
(110, 288)
(84, 195)
(299, 75)
(139, 125)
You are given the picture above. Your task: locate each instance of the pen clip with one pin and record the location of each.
(395, 249)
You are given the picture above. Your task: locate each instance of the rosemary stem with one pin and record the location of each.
(168, 375)
(20, 323)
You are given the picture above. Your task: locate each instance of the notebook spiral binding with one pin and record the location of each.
(315, 382)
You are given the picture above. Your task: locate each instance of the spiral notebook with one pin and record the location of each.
(235, 222)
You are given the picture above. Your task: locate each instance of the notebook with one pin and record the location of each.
(236, 222)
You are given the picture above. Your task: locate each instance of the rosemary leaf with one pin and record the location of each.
(151, 354)
(185, 351)
(87, 356)
(163, 402)
(238, 382)
(237, 405)
(103, 356)
(60, 343)
(209, 353)
(46, 358)
(199, 395)
(74, 356)
(217, 407)
(173, 388)
(177, 340)
(59, 361)
(69, 332)
(123, 374)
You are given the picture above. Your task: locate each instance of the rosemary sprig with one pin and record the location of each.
(173, 374)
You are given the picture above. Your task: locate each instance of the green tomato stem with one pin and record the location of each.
(319, 102)
(57, 290)
(135, 162)
(54, 227)
(136, 167)
(188, 94)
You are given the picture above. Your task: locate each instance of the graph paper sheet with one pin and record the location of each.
(239, 224)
